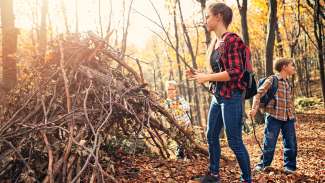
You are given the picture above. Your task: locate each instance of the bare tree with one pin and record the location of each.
(306, 67)
(65, 18)
(34, 33)
(157, 73)
(125, 30)
(180, 73)
(171, 70)
(243, 17)
(318, 17)
(194, 64)
(168, 41)
(270, 37)
(109, 30)
(43, 29)
(157, 67)
(100, 19)
(9, 44)
(279, 39)
(77, 15)
(207, 34)
(292, 37)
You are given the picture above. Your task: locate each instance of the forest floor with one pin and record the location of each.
(310, 129)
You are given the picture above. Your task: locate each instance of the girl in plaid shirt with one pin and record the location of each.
(226, 59)
(279, 116)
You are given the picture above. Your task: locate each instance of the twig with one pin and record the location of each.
(50, 157)
(68, 104)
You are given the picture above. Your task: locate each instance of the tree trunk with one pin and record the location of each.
(100, 19)
(43, 30)
(125, 31)
(300, 76)
(109, 32)
(319, 35)
(270, 37)
(77, 16)
(154, 77)
(292, 54)
(158, 71)
(65, 18)
(207, 34)
(180, 73)
(292, 39)
(9, 44)
(50, 26)
(193, 57)
(189, 94)
(243, 17)
(278, 39)
(307, 81)
(244, 29)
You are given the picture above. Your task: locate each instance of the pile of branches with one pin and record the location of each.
(68, 106)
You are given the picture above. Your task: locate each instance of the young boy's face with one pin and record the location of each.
(171, 91)
(290, 69)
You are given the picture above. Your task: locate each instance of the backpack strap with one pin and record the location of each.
(274, 86)
(247, 58)
(225, 35)
(245, 53)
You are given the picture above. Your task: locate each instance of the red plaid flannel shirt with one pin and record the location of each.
(232, 62)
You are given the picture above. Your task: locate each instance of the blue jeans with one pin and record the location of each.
(271, 133)
(227, 113)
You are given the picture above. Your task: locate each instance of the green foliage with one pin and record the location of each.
(305, 102)
(116, 145)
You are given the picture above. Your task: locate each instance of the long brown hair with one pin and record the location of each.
(222, 9)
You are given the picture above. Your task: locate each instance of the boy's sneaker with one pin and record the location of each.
(261, 168)
(180, 158)
(245, 181)
(212, 178)
(289, 171)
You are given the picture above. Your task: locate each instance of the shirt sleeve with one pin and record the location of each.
(233, 63)
(261, 91)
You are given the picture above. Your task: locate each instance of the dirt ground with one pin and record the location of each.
(310, 129)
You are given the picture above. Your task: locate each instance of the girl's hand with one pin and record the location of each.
(201, 77)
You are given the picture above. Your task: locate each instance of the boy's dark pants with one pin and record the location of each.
(271, 132)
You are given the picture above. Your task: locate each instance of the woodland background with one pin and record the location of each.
(152, 41)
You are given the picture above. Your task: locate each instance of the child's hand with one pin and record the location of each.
(187, 124)
(201, 78)
(252, 113)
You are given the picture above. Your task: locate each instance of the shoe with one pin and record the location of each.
(289, 171)
(210, 179)
(207, 178)
(245, 181)
(259, 168)
(180, 157)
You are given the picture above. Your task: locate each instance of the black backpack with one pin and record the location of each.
(248, 76)
(270, 94)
